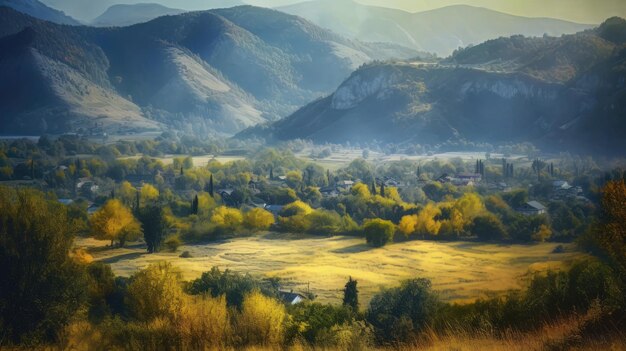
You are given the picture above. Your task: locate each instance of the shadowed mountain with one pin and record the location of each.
(560, 93)
(207, 72)
(441, 30)
(37, 9)
(126, 15)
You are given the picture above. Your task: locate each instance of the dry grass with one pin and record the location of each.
(460, 271)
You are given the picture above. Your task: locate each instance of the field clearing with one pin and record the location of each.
(198, 161)
(343, 157)
(460, 271)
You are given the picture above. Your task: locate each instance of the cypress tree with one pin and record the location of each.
(382, 189)
(194, 206)
(211, 186)
(271, 173)
(182, 171)
(351, 294)
(373, 188)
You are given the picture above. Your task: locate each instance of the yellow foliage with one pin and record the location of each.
(426, 222)
(225, 216)
(126, 193)
(408, 224)
(155, 292)
(469, 206)
(543, 233)
(296, 208)
(259, 219)
(149, 193)
(81, 256)
(205, 204)
(392, 193)
(203, 322)
(261, 320)
(113, 222)
(361, 190)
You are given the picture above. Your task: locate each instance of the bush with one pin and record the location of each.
(258, 219)
(378, 232)
(488, 227)
(185, 254)
(261, 321)
(173, 243)
(398, 314)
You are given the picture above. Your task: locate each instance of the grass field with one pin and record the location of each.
(461, 271)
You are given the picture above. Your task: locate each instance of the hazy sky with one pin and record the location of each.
(582, 11)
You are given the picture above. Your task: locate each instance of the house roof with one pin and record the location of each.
(536, 205)
(291, 297)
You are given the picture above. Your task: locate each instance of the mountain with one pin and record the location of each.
(440, 31)
(561, 93)
(37, 9)
(126, 15)
(216, 71)
(87, 10)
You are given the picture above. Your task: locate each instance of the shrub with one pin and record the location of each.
(261, 321)
(258, 219)
(488, 227)
(173, 243)
(378, 232)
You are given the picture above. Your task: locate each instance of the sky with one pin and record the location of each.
(581, 11)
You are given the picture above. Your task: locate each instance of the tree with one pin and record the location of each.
(261, 320)
(351, 294)
(154, 224)
(155, 292)
(149, 193)
(538, 166)
(398, 314)
(258, 219)
(488, 227)
(542, 234)
(227, 217)
(41, 287)
(115, 222)
(211, 189)
(378, 232)
(373, 188)
(126, 193)
(194, 205)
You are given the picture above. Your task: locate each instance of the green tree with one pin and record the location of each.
(41, 287)
(154, 226)
(378, 232)
(351, 294)
(488, 227)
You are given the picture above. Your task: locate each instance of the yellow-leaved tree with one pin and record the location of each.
(261, 320)
(227, 217)
(149, 193)
(258, 219)
(127, 193)
(155, 292)
(427, 223)
(407, 225)
(115, 222)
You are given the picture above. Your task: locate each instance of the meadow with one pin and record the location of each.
(460, 271)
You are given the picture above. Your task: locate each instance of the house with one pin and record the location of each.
(470, 177)
(291, 298)
(330, 191)
(560, 185)
(66, 202)
(445, 178)
(345, 185)
(532, 208)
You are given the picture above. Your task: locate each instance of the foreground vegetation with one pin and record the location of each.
(86, 306)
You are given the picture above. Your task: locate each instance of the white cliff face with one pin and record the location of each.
(357, 89)
(509, 88)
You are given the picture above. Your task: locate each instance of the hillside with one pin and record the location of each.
(560, 93)
(126, 15)
(196, 71)
(39, 10)
(430, 31)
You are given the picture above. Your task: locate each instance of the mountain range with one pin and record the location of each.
(440, 31)
(37, 9)
(126, 15)
(215, 71)
(565, 93)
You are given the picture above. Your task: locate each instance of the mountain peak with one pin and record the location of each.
(39, 10)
